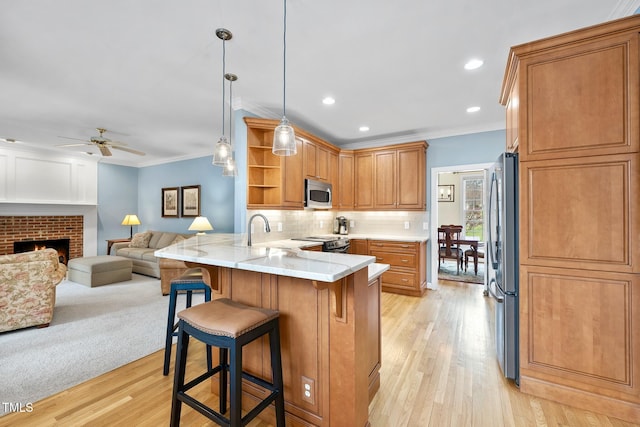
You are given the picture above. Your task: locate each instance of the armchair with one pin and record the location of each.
(28, 288)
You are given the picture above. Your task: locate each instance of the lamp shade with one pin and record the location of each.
(200, 224)
(284, 139)
(131, 220)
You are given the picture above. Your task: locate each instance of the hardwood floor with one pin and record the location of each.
(438, 369)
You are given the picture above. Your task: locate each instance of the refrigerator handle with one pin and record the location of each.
(494, 294)
(493, 259)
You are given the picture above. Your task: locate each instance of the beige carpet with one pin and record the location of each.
(94, 330)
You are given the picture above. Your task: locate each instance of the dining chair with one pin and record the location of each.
(448, 236)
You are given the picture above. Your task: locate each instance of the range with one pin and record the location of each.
(329, 243)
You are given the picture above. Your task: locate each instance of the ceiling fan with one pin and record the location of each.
(103, 144)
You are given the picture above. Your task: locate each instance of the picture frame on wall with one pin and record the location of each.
(191, 201)
(446, 193)
(170, 202)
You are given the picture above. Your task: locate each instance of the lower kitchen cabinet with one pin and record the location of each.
(407, 273)
(374, 337)
(359, 246)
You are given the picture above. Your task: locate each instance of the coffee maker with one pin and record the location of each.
(340, 225)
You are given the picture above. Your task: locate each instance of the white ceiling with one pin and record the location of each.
(150, 71)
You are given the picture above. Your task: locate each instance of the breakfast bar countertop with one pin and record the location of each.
(281, 257)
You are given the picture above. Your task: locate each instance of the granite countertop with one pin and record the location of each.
(281, 257)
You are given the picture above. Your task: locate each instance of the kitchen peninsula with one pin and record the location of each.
(330, 320)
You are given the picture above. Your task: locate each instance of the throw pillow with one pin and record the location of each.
(178, 239)
(140, 240)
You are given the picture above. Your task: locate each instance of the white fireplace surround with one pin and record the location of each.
(45, 183)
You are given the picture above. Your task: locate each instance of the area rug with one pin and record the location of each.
(448, 272)
(94, 330)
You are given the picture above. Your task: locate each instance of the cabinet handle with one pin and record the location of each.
(405, 280)
(379, 259)
(405, 246)
(405, 260)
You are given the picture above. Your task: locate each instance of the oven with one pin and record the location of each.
(333, 244)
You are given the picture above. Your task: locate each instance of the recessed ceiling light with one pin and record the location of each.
(363, 128)
(473, 64)
(473, 109)
(328, 101)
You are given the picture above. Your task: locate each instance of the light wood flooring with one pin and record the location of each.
(438, 369)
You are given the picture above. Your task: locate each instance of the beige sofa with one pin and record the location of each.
(28, 288)
(141, 250)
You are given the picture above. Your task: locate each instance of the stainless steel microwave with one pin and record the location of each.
(317, 195)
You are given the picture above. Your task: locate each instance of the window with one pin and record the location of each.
(473, 206)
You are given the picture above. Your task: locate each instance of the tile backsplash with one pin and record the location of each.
(299, 223)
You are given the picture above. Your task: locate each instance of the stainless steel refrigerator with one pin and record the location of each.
(502, 264)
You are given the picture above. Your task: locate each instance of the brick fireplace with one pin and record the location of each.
(42, 227)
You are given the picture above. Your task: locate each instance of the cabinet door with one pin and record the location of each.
(345, 181)
(322, 163)
(582, 101)
(580, 213)
(374, 333)
(411, 179)
(310, 159)
(364, 181)
(293, 180)
(359, 247)
(334, 178)
(385, 180)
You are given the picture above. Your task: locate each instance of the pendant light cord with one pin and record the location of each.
(223, 79)
(284, 65)
(230, 115)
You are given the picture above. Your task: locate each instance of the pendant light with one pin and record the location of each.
(284, 137)
(223, 148)
(230, 168)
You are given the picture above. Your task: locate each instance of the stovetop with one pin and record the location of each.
(321, 238)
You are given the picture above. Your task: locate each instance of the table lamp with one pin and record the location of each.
(200, 224)
(131, 220)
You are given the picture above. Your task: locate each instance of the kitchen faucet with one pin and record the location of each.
(266, 223)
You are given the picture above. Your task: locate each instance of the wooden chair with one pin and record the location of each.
(448, 236)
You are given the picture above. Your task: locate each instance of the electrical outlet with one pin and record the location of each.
(308, 390)
(425, 225)
(321, 224)
(279, 226)
(352, 223)
(406, 225)
(252, 230)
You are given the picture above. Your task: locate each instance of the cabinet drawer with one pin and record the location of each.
(399, 278)
(407, 260)
(410, 247)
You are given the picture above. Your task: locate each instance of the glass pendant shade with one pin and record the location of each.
(222, 152)
(284, 139)
(230, 168)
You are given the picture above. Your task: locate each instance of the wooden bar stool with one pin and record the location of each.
(190, 281)
(229, 326)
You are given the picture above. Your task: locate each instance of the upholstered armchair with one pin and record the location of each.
(28, 288)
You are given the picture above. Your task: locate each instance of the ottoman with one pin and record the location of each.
(99, 270)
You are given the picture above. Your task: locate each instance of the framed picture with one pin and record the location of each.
(446, 193)
(191, 200)
(170, 203)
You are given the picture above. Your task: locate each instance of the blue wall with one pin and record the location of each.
(123, 190)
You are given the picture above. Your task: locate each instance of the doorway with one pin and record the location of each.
(458, 194)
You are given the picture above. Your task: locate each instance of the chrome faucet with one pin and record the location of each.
(266, 223)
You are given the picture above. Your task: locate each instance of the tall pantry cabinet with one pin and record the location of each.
(572, 109)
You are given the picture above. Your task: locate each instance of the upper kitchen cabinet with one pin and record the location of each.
(391, 178)
(573, 115)
(568, 98)
(317, 160)
(346, 182)
(273, 182)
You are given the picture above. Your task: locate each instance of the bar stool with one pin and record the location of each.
(190, 281)
(229, 326)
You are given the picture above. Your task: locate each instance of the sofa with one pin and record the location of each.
(28, 288)
(142, 247)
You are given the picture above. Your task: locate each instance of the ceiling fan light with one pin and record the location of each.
(284, 139)
(221, 152)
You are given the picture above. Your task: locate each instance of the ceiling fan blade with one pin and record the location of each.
(104, 149)
(127, 149)
(73, 145)
(76, 139)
